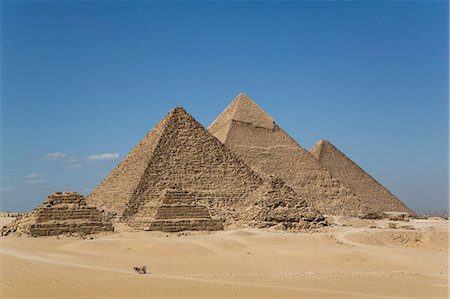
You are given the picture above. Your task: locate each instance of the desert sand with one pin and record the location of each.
(352, 259)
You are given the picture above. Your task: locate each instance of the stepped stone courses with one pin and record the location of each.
(62, 213)
(252, 134)
(374, 195)
(178, 210)
(180, 154)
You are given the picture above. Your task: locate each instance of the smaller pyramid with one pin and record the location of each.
(61, 213)
(177, 210)
(372, 193)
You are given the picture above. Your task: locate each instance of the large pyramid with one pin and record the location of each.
(252, 134)
(374, 195)
(61, 213)
(178, 170)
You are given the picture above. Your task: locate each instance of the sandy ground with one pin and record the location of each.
(354, 259)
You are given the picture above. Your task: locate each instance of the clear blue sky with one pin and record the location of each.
(83, 82)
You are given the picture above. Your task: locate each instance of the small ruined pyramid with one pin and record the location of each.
(273, 202)
(373, 194)
(61, 213)
(178, 210)
(252, 134)
(180, 177)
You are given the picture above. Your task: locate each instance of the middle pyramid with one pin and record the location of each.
(180, 177)
(252, 134)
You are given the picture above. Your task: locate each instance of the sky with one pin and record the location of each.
(83, 82)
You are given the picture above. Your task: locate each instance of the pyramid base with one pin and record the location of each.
(54, 229)
(176, 225)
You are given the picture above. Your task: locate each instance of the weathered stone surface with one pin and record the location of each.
(371, 192)
(118, 187)
(61, 213)
(274, 203)
(252, 134)
(180, 154)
